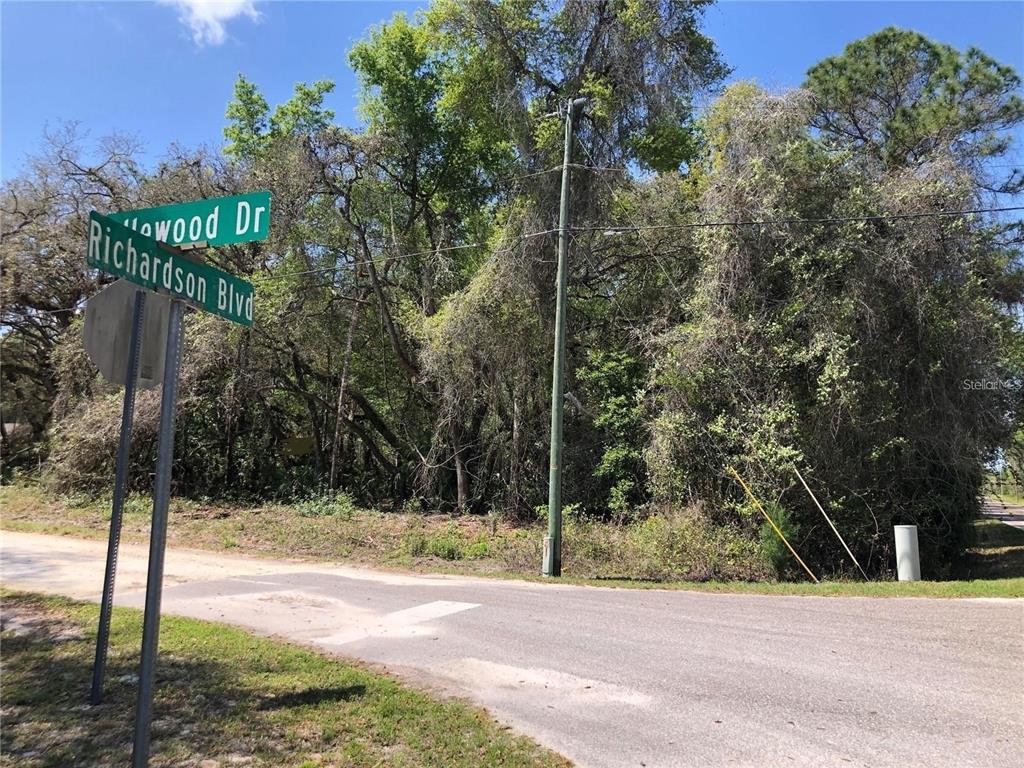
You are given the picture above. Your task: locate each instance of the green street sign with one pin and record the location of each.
(118, 250)
(217, 221)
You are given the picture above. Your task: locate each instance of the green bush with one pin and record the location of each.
(446, 547)
(339, 505)
(477, 549)
(774, 549)
(78, 499)
(449, 544)
(665, 546)
(138, 504)
(415, 543)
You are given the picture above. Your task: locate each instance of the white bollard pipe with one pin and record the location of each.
(908, 559)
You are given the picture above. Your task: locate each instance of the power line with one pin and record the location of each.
(376, 261)
(661, 266)
(823, 220)
(536, 173)
(47, 311)
(402, 256)
(612, 229)
(578, 166)
(613, 169)
(612, 295)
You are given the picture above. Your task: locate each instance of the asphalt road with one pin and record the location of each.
(1011, 514)
(615, 678)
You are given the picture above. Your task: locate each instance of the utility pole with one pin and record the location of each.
(553, 541)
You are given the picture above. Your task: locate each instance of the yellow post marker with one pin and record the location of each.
(830, 523)
(772, 524)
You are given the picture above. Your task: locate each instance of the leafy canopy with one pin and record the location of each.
(899, 98)
(252, 127)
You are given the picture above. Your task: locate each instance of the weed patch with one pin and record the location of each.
(673, 547)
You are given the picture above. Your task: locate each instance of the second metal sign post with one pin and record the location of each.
(140, 254)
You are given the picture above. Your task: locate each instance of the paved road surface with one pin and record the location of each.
(1011, 514)
(627, 678)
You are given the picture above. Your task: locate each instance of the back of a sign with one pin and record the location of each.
(108, 328)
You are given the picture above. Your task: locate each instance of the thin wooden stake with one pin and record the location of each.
(772, 524)
(830, 523)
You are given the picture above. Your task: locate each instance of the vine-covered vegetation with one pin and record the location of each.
(774, 281)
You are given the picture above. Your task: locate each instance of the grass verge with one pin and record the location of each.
(654, 549)
(646, 555)
(998, 552)
(997, 587)
(224, 698)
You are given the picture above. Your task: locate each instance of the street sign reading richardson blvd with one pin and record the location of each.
(118, 250)
(217, 221)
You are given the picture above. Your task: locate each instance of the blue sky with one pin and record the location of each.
(164, 71)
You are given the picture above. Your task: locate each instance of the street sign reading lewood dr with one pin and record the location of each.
(217, 221)
(121, 251)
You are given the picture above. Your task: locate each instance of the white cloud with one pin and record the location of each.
(207, 18)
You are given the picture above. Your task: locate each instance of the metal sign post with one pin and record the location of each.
(120, 481)
(158, 538)
(137, 251)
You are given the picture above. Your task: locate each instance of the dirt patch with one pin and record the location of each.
(37, 622)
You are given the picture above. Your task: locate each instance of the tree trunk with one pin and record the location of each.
(514, 479)
(403, 361)
(353, 318)
(312, 408)
(461, 482)
(230, 427)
